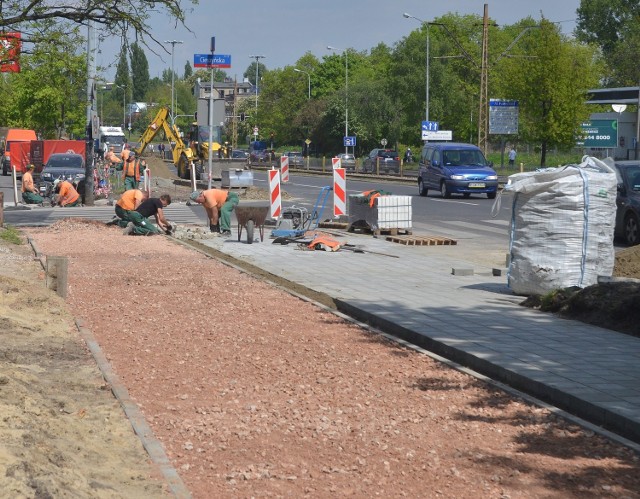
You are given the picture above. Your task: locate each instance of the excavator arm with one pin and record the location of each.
(182, 155)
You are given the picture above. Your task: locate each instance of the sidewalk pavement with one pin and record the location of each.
(475, 320)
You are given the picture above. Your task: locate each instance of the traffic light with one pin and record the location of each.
(242, 116)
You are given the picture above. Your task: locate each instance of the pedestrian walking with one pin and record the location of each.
(512, 156)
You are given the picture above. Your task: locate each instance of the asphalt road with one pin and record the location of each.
(468, 220)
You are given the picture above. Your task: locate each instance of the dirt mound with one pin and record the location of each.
(612, 305)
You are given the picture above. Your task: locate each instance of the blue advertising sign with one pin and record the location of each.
(211, 61)
(503, 116)
(430, 126)
(349, 141)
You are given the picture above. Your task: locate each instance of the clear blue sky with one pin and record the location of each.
(284, 30)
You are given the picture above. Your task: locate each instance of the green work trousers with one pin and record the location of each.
(143, 226)
(130, 183)
(225, 211)
(31, 198)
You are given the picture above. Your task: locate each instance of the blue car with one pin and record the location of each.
(455, 168)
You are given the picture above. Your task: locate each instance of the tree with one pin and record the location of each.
(113, 18)
(188, 71)
(612, 25)
(551, 85)
(250, 73)
(48, 95)
(139, 73)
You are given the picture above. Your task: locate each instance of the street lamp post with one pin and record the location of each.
(257, 58)
(426, 106)
(308, 76)
(346, 93)
(173, 44)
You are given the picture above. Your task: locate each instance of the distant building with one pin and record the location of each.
(227, 96)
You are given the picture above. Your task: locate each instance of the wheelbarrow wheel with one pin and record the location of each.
(250, 225)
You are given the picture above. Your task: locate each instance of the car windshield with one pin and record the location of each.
(463, 157)
(65, 162)
(114, 140)
(633, 174)
(388, 154)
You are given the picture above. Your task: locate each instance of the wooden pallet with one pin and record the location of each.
(422, 240)
(392, 232)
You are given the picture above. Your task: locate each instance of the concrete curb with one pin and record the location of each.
(151, 444)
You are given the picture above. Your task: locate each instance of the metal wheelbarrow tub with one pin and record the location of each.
(251, 215)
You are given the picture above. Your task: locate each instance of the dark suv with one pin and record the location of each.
(382, 160)
(454, 168)
(627, 225)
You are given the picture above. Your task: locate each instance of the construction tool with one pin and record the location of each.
(297, 226)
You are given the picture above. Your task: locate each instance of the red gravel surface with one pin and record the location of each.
(256, 393)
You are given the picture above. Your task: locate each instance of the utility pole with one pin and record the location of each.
(88, 178)
(257, 58)
(234, 126)
(483, 117)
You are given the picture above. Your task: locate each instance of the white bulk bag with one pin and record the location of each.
(562, 223)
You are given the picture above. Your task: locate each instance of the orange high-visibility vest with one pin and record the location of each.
(132, 169)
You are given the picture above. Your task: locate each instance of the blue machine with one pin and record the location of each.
(295, 221)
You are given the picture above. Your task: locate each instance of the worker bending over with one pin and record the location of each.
(66, 193)
(30, 194)
(142, 225)
(112, 159)
(127, 205)
(218, 203)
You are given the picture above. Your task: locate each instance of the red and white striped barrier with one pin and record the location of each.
(275, 198)
(336, 162)
(339, 192)
(284, 168)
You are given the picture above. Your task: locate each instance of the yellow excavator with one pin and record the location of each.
(196, 152)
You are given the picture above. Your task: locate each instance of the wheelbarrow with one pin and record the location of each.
(251, 215)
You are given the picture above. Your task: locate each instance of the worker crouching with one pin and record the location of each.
(141, 224)
(66, 194)
(218, 203)
(127, 205)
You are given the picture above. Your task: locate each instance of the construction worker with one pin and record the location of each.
(131, 171)
(127, 205)
(113, 160)
(125, 153)
(142, 226)
(30, 194)
(66, 193)
(218, 203)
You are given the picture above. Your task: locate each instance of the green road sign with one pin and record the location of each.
(600, 133)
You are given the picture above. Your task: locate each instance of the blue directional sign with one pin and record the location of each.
(349, 141)
(430, 126)
(211, 61)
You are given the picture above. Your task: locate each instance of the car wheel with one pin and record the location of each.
(631, 230)
(5, 172)
(422, 190)
(491, 195)
(444, 191)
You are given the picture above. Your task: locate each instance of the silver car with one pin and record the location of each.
(347, 161)
(65, 166)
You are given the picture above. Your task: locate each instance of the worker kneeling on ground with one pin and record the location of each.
(142, 225)
(127, 205)
(66, 194)
(131, 172)
(218, 203)
(29, 192)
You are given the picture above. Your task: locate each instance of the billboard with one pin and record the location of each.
(10, 45)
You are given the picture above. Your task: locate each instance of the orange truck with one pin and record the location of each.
(16, 136)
